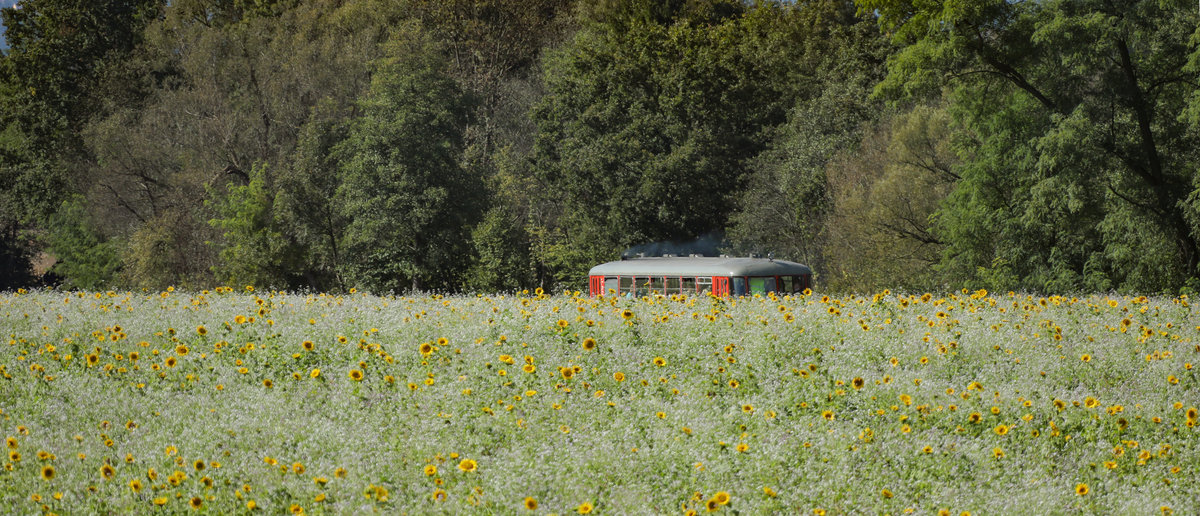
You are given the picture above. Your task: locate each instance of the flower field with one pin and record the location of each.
(252, 402)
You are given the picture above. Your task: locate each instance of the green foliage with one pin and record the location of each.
(784, 208)
(304, 200)
(170, 249)
(85, 260)
(14, 260)
(884, 194)
(649, 121)
(253, 250)
(506, 144)
(409, 201)
(1076, 158)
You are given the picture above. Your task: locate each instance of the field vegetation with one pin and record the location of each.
(246, 401)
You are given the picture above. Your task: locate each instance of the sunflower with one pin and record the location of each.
(627, 314)
(660, 361)
(567, 372)
(426, 348)
(468, 465)
(355, 375)
(430, 470)
(171, 362)
(857, 382)
(531, 503)
(1000, 429)
(307, 345)
(828, 414)
(201, 330)
(195, 502)
(584, 508)
(47, 472)
(181, 350)
(997, 453)
(619, 376)
(1081, 489)
(589, 344)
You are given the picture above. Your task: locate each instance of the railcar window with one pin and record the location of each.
(770, 284)
(656, 285)
(704, 284)
(643, 285)
(610, 283)
(758, 286)
(671, 286)
(626, 284)
(785, 284)
(739, 286)
(688, 285)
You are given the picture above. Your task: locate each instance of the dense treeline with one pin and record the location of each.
(504, 144)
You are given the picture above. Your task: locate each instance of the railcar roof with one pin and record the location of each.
(699, 266)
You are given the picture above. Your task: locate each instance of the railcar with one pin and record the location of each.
(722, 276)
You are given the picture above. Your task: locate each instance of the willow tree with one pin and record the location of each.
(1077, 158)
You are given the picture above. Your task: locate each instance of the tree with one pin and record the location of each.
(409, 201)
(231, 85)
(785, 207)
(1078, 162)
(649, 120)
(305, 200)
(85, 259)
(884, 193)
(254, 249)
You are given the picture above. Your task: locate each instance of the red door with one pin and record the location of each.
(720, 286)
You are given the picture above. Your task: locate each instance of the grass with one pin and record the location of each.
(212, 402)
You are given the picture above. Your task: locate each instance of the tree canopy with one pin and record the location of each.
(507, 144)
